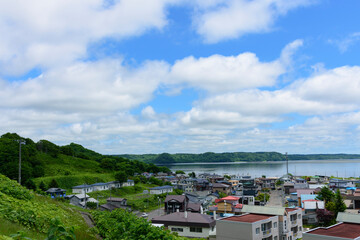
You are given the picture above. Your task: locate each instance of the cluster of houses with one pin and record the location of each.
(200, 212)
(240, 216)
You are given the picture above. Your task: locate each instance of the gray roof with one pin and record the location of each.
(99, 184)
(55, 190)
(82, 186)
(348, 218)
(179, 198)
(112, 199)
(179, 219)
(161, 187)
(264, 210)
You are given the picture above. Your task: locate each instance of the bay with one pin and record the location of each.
(337, 168)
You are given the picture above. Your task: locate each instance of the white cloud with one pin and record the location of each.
(90, 88)
(45, 34)
(347, 42)
(234, 18)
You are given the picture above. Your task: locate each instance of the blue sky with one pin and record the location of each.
(136, 76)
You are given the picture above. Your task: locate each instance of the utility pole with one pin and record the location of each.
(20, 143)
(287, 164)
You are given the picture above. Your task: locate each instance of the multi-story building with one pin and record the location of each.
(290, 219)
(248, 227)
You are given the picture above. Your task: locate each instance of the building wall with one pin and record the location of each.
(227, 230)
(186, 232)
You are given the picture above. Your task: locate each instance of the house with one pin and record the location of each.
(249, 187)
(268, 183)
(188, 224)
(175, 203)
(56, 192)
(81, 189)
(81, 199)
(229, 204)
(289, 219)
(309, 210)
(114, 184)
(202, 185)
(348, 227)
(114, 203)
(100, 186)
(222, 187)
(161, 189)
(128, 183)
(248, 227)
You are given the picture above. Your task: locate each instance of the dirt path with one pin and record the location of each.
(89, 221)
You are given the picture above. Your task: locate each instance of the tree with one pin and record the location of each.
(325, 194)
(339, 203)
(121, 176)
(42, 186)
(192, 174)
(227, 177)
(325, 217)
(179, 172)
(30, 184)
(53, 184)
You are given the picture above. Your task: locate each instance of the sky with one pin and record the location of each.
(183, 76)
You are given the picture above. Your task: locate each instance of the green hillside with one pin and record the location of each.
(22, 210)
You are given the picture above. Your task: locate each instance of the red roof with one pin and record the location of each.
(344, 230)
(311, 200)
(228, 198)
(238, 205)
(249, 218)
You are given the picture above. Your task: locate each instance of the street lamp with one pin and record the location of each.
(21, 142)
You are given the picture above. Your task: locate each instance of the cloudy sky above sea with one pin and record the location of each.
(152, 76)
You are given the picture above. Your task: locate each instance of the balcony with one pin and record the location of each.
(266, 232)
(293, 222)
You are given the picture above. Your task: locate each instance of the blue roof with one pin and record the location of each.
(307, 197)
(82, 186)
(161, 187)
(129, 180)
(99, 184)
(351, 188)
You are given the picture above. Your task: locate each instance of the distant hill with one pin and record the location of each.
(166, 158)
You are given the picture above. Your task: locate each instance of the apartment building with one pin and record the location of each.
(289, 219)
(248, 227)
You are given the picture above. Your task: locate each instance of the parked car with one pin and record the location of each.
(144, 215)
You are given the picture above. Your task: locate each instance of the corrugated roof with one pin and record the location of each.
(82, 186)
(249, 218)
(161, 187)
(192, 219)
(264, 210)
(342, 230)
(348, 217)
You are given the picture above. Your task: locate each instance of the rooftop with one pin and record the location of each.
(161, 187)
(191, 219)
(248, 218)
(344, 230)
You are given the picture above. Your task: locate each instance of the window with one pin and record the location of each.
(275, 224)
(257, 231)
(196, 229)
(177, 229)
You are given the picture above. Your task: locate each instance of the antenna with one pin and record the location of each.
(287, 164)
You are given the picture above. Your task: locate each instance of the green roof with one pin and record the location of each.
(279, 211)
(348, 217)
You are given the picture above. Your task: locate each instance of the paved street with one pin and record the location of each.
(276, 199)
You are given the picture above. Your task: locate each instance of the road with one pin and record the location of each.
(276, 199)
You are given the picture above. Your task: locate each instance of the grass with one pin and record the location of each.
(135, 196)
(7, 228)
(68, 181)
(68, 165)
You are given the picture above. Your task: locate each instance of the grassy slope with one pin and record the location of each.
(22, 208)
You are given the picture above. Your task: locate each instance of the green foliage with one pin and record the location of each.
(227, 177)
(91, 205)
(325, 194)
(120, 224)
(192, 175)
(20, 235)
(53, 184)
(260, 197)
(179, 172)
(154, 180)
(59, 232)
(164, 158)
(42, 186)
(222, 195)
(339, 203)
(30, 184)
(121, 176)
(20, 206)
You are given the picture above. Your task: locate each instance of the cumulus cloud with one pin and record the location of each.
(235, 18)
(45, 34)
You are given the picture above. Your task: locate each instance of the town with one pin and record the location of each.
(213, 206)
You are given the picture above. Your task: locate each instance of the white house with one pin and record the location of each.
(128, 183)
(161, 189)
(83, 189)
(100, 186)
